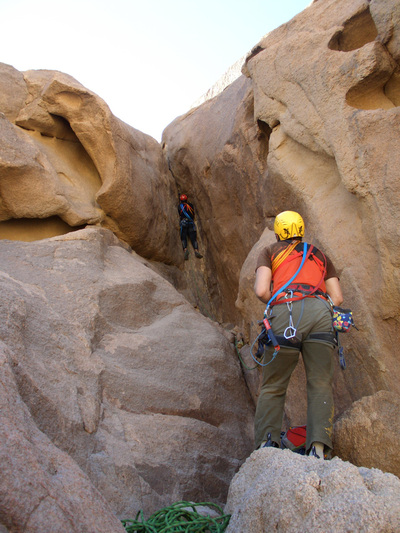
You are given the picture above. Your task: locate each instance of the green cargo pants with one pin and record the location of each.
(310, 315)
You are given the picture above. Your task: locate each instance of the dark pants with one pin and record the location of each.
(188, 229)
(310, 315)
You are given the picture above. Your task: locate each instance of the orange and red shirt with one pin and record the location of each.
(284, 259)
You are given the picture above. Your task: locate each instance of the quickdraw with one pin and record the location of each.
(290, 331)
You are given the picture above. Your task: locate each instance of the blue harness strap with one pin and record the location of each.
(291, 279)
(186, 214)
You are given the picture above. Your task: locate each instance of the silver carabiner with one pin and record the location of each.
(289, 295)
(290, 332)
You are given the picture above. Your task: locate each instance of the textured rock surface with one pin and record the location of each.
(66, 161)
(215, 156)
(368, 434)
(120, 372)
(277, 490)
(112, 364)
(312, 127)
(41, 487)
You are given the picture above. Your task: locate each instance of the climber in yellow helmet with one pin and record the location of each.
(301, 320)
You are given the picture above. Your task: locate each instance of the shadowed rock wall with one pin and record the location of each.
(218, 155)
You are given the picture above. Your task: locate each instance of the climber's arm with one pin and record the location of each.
(333, 289)
(262, 285)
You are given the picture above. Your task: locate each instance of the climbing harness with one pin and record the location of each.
(186, 222)
(184, 207)
(291, 291)
(267, 315)
(179, 517)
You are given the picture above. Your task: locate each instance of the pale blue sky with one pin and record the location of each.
(149, 59)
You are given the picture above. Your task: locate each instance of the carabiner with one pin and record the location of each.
(291, 334)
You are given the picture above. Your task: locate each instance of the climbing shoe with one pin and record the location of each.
(186, 256)
(198, 254)
(313, 453)
(317, 450)
(269, 443)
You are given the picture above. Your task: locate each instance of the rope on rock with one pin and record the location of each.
(238, 348)
(179, 517)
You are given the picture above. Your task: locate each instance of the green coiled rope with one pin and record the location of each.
(179, 517)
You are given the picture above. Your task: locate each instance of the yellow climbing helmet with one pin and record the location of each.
(288, 224)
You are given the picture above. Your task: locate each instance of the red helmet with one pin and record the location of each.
(183, 197)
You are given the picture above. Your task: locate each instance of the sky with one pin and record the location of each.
(149, 60)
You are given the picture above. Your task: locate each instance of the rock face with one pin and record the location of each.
(310, 126)
(278, 490)
(66, 161)
(120, 372)
(41, 487)
(218, 155)
(368, 433)
(112, 383)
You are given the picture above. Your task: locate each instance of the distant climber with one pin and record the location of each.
(187, 227)
(300, 318)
